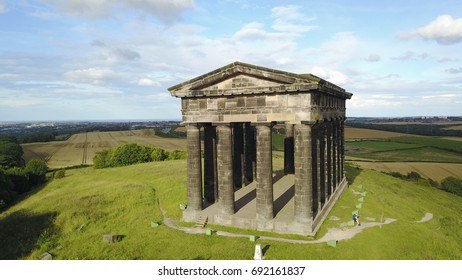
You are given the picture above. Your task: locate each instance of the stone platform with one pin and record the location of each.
(284, 207)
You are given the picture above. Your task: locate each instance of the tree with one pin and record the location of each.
(10, 152)
(158, 154)
(102, 159)
(413, 176)
(6, 186)
(130, 154)
(452, 185)
(177, 154)
(19, 178)
(60, 174)
(36, 170)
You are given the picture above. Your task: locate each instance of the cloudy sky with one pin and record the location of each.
(115, 59)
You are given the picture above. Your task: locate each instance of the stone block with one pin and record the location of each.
(253, 238)
(332, 243)
(363, 194)
(258, 255)
(155, 224)
(208, 232)
(355, 212)
(112, 238)
(46, 256)
(361, 199)
(359, 206)
(183, 206)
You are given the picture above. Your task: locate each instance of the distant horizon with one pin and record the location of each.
(179, 120)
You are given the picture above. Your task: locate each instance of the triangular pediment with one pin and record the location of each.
(237, 76)
(240, 78)
(241, 81)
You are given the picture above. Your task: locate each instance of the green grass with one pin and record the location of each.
(408, 148)
(278, 142)
(379, 145)
(435, 142)
(424, 154)
(123, 201)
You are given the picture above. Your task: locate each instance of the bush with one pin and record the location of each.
(36, 170)
(413, 176)
(102, 159)
(60, 174)
(133, 153)
(20, 179)
(177, 154)
(452, 185)
(397, 175)
(159, 154)
(129, 154)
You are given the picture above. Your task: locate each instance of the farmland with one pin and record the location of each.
(431, 157)
(80, 148)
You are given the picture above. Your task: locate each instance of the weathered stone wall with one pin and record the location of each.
(294, 108)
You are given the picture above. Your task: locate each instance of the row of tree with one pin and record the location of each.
(129, 154)
(15, 177)
(450, 184)
(10, 152)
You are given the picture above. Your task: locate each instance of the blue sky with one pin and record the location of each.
(115, 59)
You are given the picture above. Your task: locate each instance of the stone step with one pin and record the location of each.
(202, 221)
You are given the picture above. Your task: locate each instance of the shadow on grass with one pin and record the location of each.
(21, 232)
(351, 172)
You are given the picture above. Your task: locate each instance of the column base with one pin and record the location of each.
(191, 215)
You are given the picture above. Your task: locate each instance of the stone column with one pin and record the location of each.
(289, 149)
(314, 169)
(328, 166)
(339, 151)
(194, 168)
(264, 177)
(210, 164)
(303, 174)
(225, 170)
(319, 169)
(342, 148)
(334, 155)
(322, 163)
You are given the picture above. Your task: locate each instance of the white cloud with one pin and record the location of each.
(289, 19)
(147, 82)
(444, 29)
(94, 76)
(166, 10)
(330, 75)
(2, 7)
(255, 31)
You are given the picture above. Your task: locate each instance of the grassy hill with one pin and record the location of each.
(68, 218)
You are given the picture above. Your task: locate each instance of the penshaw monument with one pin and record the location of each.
(236, 107)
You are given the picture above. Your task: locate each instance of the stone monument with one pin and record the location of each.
(236, 107)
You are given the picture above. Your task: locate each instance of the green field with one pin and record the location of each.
(432, 158)
(69, 216)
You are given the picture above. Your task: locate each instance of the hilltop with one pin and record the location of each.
(68, 218)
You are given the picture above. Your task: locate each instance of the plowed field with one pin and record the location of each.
(80, 148)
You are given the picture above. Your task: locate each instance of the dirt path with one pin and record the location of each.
(426, 218)
(332, 233)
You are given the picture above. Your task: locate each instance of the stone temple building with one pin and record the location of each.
(236, 107)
